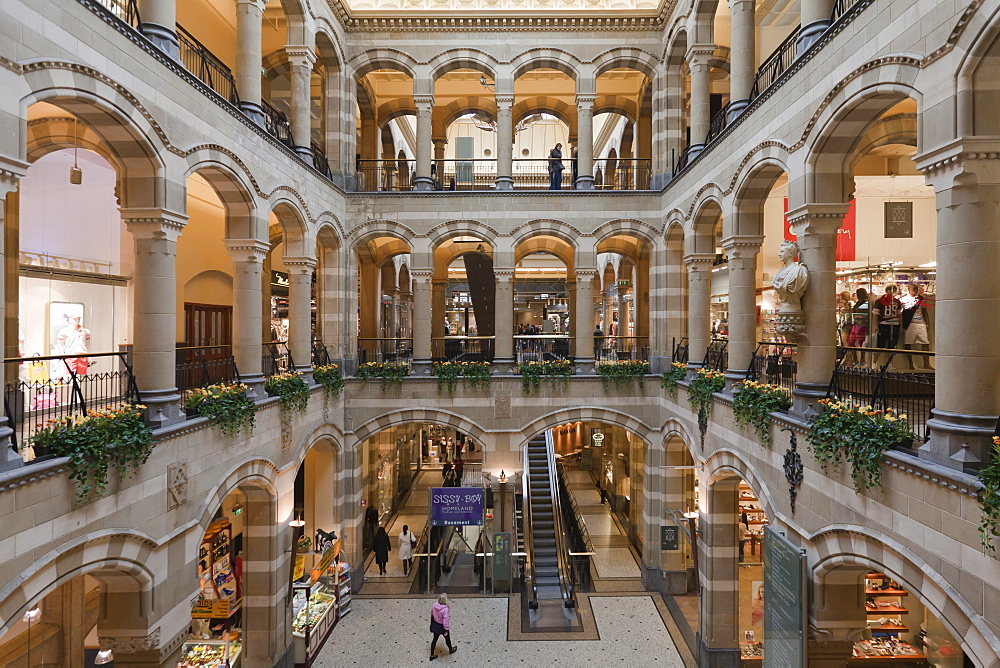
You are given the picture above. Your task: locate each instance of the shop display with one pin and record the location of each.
(884, 605)
(752, 650)
(343, 589)
(885, 648)
(216, 576)
(309, 614)
(752, 513)
(209, 653)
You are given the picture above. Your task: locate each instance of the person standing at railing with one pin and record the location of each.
(556, 167)
(598, 341)
(860, 318)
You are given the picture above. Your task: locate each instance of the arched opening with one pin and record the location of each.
(464, 131)
(624, 306)
(463, 300)
(387, 128)
(290, 285)
(622, 130)
(544, 300)
(377, 276)
(544, 117)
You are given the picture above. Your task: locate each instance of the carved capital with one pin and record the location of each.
(299, 265)
(131, 644)
(153, 223)
(699, 262)
(976, 160)
(300, 55)
(247, 250)
(742, 246)
(423, 103)
(504, 102)
(585, 102)
(585, 274)
(816, 219)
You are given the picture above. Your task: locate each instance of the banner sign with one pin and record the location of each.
(329, 554)
(846, 235)
(456, 506)
(785, 613)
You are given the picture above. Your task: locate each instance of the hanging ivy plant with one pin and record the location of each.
(389, 373)
(700, 391)
(291, 390)
(226, 405)
(674, 375)
(858, 434)
(114, 436)
(622, 372)
(533, 372)
(753, 404)
(989, 499)
(328, 376)
(475, 374)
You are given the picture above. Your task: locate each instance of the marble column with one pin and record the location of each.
(504, 314)
(699, 266)
(742, 55)
(422, 317)
(742, 252)
(425, 106)
(9, 178)
(583, 324)
(815, 226)
(701, 111)
(815, 18)
(966, 180)
(301, 60)
(248, 263)
(585, 140)
(249, 28)
(154, 286)
(300, 273)
(505, 142)
(159, 25)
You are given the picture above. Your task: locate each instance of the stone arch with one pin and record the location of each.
(227, 179)
(463, 59)
(382, 228)
(895, 129)
(116, 553)
(547, 58)
(445, 231)
(419, 415)
(329, 232)
(553, 106)
(726, 462)
(628, 57)
(329, 50)
(455, 109)
(627, 227)
(393, 109)
(976, 102)
(675, 52)
(586, 414)
(326, 432)
(704, 222)
(383, 59)
(294, 229)
(750, 194)
(676, 429)
(847, 545)
(542, 243)
(617, 104)
(702, 20)
(548, 227)
(258, 472)
(48, 135)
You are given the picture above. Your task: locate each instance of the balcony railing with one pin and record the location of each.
(718, 124)
(463, 349)
(385, 350)
(464, 174)
(319, 160)
(615, 348)
(543, 347)
(775, 364)
(717, 355)
(533, 174)
(126, 10)
(385, 175)
(622, 173)
(775, 65)
(276, 124)
(277, 358)
(200, 366)
(202, 63)
(320, 355)
(679, 350)
(62, 386)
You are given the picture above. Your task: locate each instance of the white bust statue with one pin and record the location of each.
(790, 283)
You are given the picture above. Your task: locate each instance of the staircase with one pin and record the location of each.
(544, 557)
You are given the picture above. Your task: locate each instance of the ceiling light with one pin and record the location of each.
(32, 615)
(104, 656)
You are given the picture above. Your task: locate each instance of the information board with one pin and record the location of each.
(784, 601)
(501, 555)
(456, 506)
(587, 459)
(669, 538)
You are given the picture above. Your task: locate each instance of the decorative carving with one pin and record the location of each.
(177, 483)
(132, 644)
(286, 435)
(790, 283)
(501, 405)
(793, 467)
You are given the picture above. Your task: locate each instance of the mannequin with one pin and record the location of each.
(74, 339)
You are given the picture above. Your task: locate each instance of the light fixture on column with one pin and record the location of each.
(487, 84)
(298, 521)
(503, 477)
(104, 656)
(75, 173)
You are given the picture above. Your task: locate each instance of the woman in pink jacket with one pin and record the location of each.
(441, 624)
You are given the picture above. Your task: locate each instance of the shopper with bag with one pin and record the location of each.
(407, 543)
(441, 624)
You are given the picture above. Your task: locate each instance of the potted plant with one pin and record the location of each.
(989, 499)
(389, 373)
(328, 376)
(622, 372)
(533, 372)
(753, 404)
(292, 392)
(476, 374)
(226, 405)
(706, 383)
(674, 375)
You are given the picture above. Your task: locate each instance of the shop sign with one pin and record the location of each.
(669, 539)
(456, 506)
(300, 567)
(785, 613)
(207, 608)
(329, 554)
(501, 555)
(279, 279)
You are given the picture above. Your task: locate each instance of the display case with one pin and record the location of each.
(889, 652)
(884, 605)
(218, 574)
(343, 590)
(209, 653)
(756, 519)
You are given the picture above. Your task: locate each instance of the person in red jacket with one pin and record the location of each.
(441, 624)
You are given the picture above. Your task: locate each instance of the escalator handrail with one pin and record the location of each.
(529, 547)
(581, 524)
(562, 551)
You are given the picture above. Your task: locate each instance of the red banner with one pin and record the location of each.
(846, 242)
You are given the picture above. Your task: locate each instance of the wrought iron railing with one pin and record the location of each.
(622, 173)
(319, 160)
(200, 366)
(202, 63)
(684, 160)
(385, 350)
(276, 124)
(320, 355)
(718, 124)
(385, 175)
(60, 386)
(840, 7)
(774, 363)
(125, 10)
(533, 174)
(775, 65)
(464, 174)
(542, 348)
(717, 355)
(679, 350)
(615, 348)
(463, 349)
(277, 358)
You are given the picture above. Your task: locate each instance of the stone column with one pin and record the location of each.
(585, 140)
(300, 273)
(248, 263)
(440, 146)
(742, 55)
(742, 252)
(660, 130)
(966, 180)
(701, 111)
(425, 106)
(816, 226)
(330, 303)
(422, 317)
(393, 323)
(249, 17)
(505, 142)
(154, 340)
(699, 266)
(301, 60)
(718, 563)
(436, 311)
(583, 324)
(504, 314)
(159, 25)
(836, 616)
(815, 18)
(9, 459)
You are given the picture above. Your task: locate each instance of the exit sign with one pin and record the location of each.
(624, 283)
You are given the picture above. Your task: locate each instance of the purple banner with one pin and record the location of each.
(456, 506)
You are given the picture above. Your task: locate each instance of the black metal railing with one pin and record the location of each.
(201, 366)
(276, 124)
(679, 350)
(385, 175)
(614, 348)
(385, 350)
(717, 355)
(718, 124)
(533, 174)
(774, 363)
(684, 160)
(319, 160)
(125, 10)
(840, 7)
(320, 355)
(464, 174)
(463, 349)
(60, 386)
(542, 348)
(277, 358)
(622, 173)
(202, 63)
(866, 376)
(775, 65)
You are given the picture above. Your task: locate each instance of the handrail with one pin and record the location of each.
(775, 64)
(276, 124)
(719, 123)
(562, 551)
(205, 65)
(529, 545)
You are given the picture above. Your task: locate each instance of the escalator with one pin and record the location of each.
(545, 539)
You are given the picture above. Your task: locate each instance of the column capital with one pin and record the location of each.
(816, 219)
(300, 54)
(421, 275)
(741, 246)
(699, 53)
(247, 250)
(699, 262)
(300, 265)
(11, 172)
(150, 223)
(423, 102)
(978, 157)
(585, 101)
(585, 273)
(505, 274)
(504, 102)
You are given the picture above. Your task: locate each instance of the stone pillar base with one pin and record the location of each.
(305, 152)
(254, 112)
(423, 184)
(421, 368)
(163, 407)
(505, 183)
(255, 386)
(735, 109)
(652, 578)
(586, 366)
(163, 38)
(733, 378)
(659, 181)
(694, 151)
(504, 366)
(805, 399)
(675, 583)
(307, 375)
(709, 657)
(584, 182)
(658, 364)
(958, 441)
(9, 457)
(810, 35)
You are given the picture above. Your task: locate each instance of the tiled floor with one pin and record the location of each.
(614, 558)
(394, 632)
